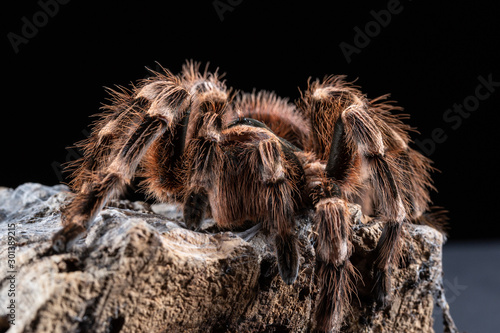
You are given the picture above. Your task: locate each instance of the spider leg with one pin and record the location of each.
(389, 244)
(164, 163)
(203, 151)
(335, 271)
(167, 102)
(194, 207)
(361, 151)
(265, 173)
(111, 182)
(333, 232)
(280, 206)
(382, 169)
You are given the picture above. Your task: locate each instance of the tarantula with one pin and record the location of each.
(257, 157)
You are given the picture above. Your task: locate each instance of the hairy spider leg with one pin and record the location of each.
(275, 171)
(167, 103)
(203, 151)
(381, 169)
(332, 223)
(389, 245)
(356, 140)
(162, 164)
(170, 162)
(278, 195)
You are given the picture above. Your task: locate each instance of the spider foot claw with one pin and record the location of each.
(194, 210)
(59, 243)
(64, 236)
(193, 223)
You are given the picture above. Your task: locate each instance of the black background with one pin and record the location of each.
(429, 57)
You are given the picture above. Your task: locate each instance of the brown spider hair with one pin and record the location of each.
(258, 158)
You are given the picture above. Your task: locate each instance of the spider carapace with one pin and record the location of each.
(257, 157)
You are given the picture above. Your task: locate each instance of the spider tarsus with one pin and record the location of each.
(387, 253)
(59, 244)
(288, 258)
(332, 305)
(381, 290)
(62, 238)
(194, 209)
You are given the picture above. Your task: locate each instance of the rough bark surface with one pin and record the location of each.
(139, 270)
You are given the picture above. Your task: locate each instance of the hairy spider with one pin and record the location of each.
(257, 157)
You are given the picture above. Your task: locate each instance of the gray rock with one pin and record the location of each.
(139, 270)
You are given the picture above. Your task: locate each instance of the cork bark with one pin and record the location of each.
(139, 270)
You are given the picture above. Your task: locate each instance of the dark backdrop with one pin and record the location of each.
(438, 60)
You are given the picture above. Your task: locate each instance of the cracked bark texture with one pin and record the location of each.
(139, 270)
